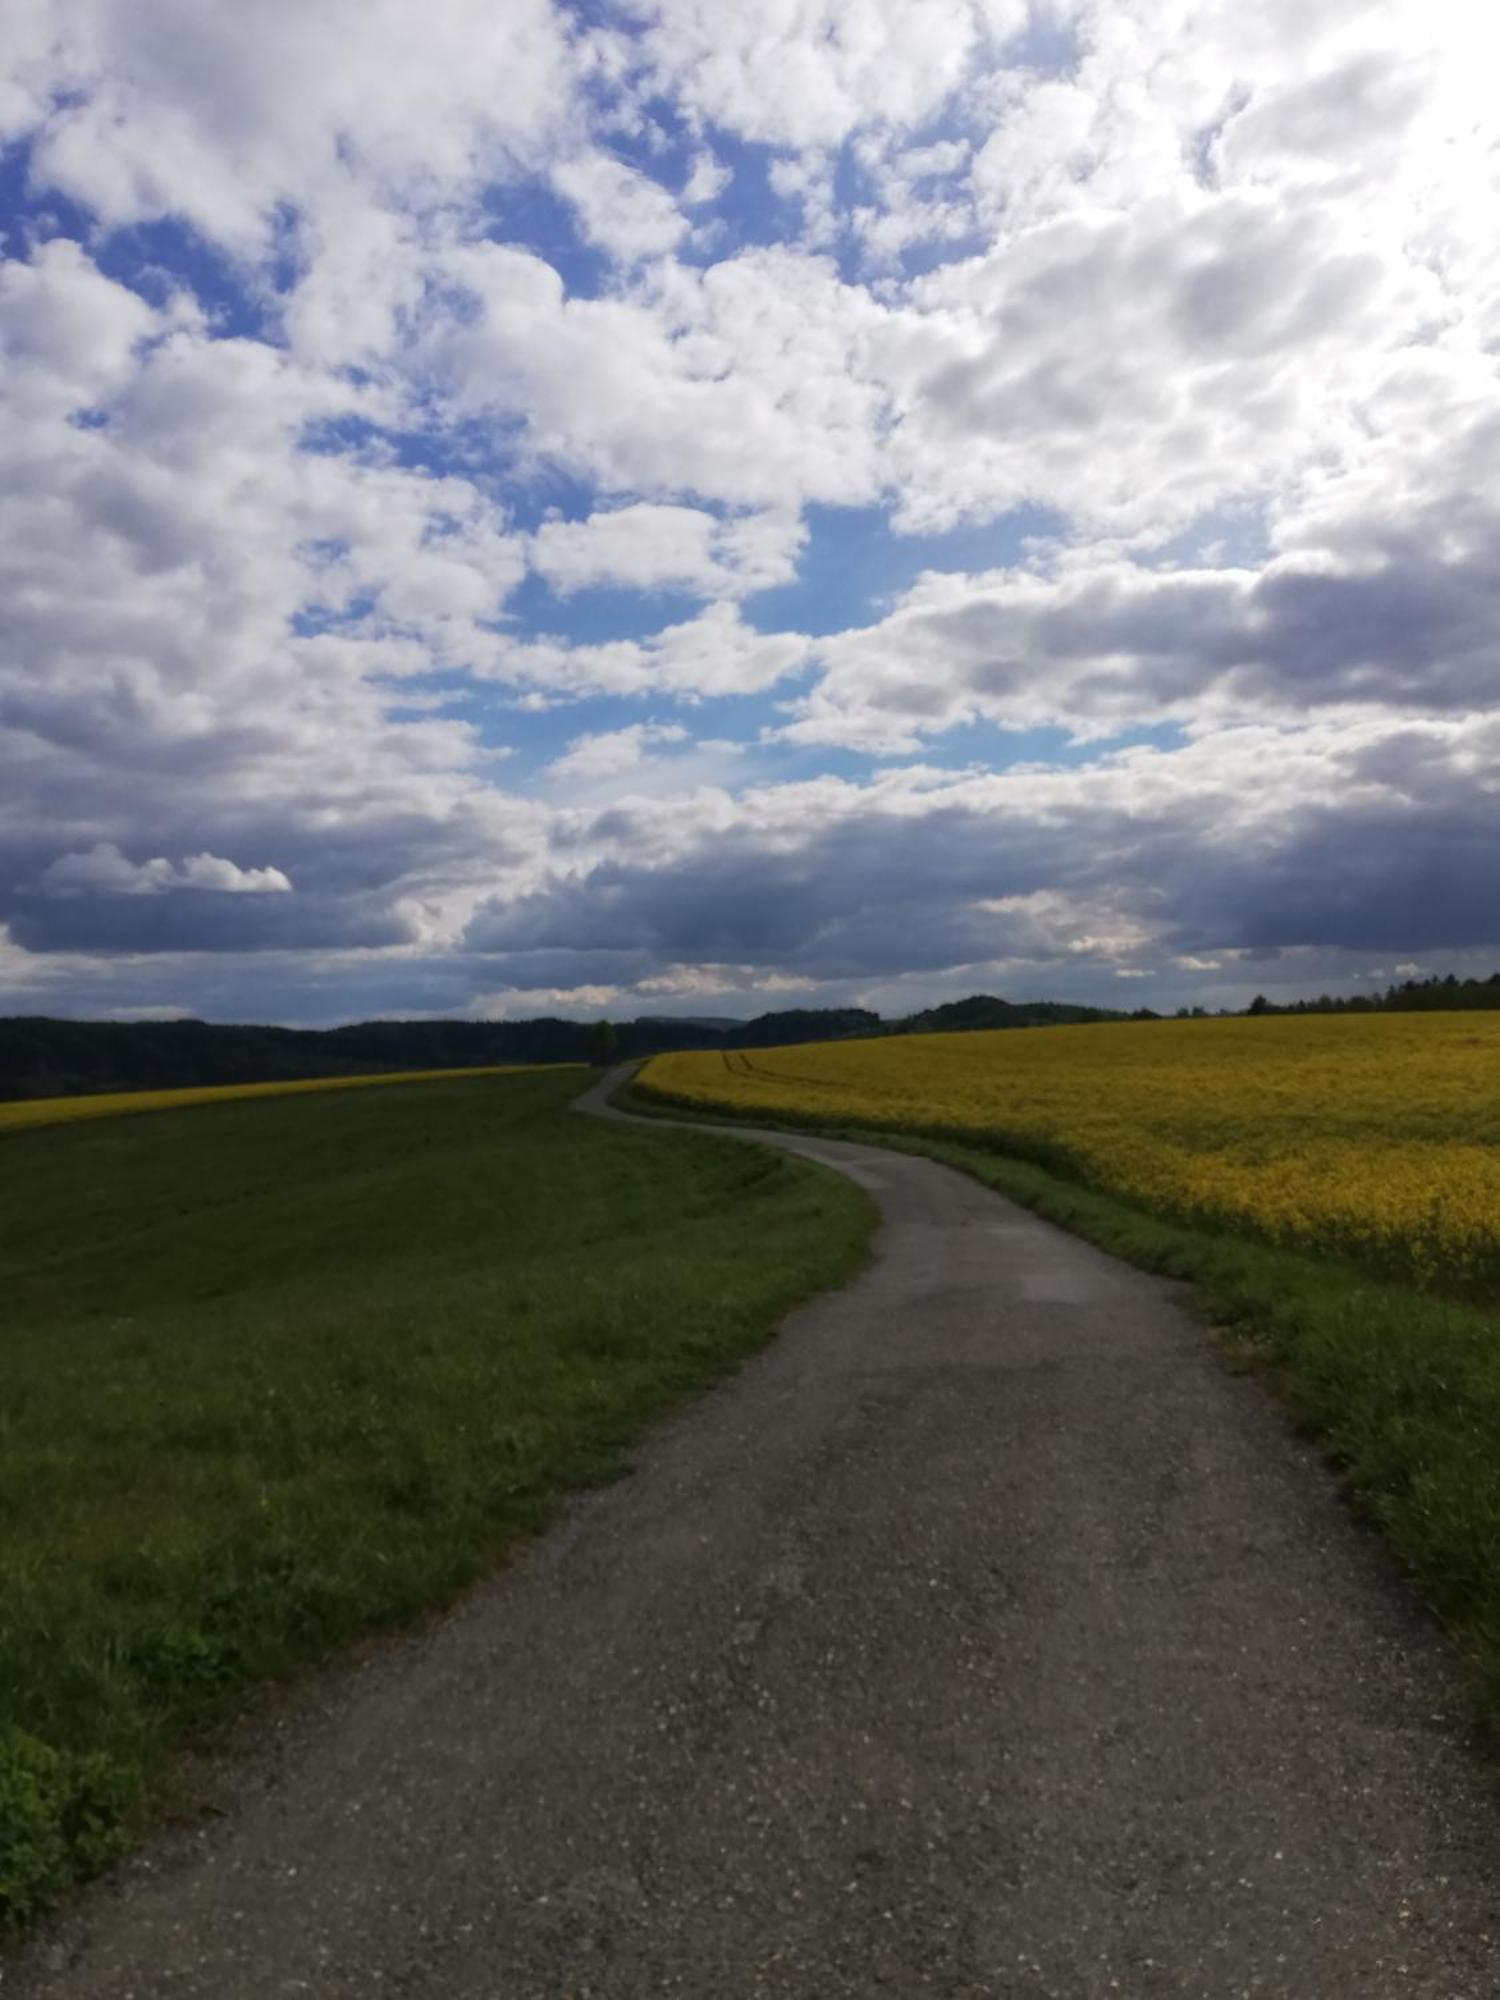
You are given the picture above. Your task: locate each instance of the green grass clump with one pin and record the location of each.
(1401, 1388)
(277, 1373)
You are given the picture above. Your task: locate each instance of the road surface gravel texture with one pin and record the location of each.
(982, 1637)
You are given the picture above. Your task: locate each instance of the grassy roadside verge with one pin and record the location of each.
(283, 1373)
(1400, 1388)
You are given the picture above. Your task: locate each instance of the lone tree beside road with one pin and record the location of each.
(603, 1043)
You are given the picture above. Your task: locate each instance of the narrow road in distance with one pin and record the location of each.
(982, 1637)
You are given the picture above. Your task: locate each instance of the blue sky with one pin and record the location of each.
(601, 508)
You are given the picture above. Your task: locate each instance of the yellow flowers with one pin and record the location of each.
(1371, 1136)
(114, 1104)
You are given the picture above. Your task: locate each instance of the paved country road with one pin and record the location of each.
(983, 1637)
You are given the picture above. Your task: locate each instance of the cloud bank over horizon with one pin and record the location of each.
(644, 506)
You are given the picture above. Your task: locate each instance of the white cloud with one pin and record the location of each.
(607, 754)
(226, 115)
(716, 653)
(1350, 611)
(649, 546)
(179, 700)
(68, 336)
(104, 871)
(808, 72)
(706, 182)
(1240, 338)
(741, 982)
(514, 1003)
(740, 382)
(166, 570)
(619, 207)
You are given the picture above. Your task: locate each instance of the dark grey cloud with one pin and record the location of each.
(1408, 623)
(855, 899)
(195, 920)
(1149, 871)
(1363, 881)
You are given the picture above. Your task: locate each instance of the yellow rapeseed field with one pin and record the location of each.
(1376, 1136)
(31, 1111)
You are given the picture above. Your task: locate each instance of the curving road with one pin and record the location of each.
(983, 1637)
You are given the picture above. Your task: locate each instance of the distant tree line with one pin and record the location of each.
(1445, 995)
(42, 1057)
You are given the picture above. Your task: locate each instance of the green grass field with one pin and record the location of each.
(275, 1374)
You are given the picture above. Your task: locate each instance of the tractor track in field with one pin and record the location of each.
(982, 1637)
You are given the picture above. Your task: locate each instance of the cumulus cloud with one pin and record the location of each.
(1097, 646)
(608, 753)
(808, 72)
(68, 335)
(329, 336)
(228, 118)
(706, 181)
(523, 1002)
(104, 871)
(648, 546)
(716, 653)
(620, 208)
(741, 381)
(201, 611)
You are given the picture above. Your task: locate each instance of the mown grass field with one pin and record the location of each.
(1330, 1186)
(281, 1372)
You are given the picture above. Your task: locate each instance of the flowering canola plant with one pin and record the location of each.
(1374, 1136)
(31, 1111)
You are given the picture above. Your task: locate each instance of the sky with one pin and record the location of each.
(654, 506)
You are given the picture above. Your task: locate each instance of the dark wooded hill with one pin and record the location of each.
(982, 1010)
(41, 1057)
